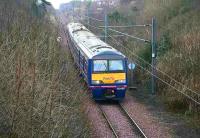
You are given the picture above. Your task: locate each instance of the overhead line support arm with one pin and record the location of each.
(134, 37)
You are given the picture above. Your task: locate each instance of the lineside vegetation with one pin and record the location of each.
(37, 96)
(178, 45)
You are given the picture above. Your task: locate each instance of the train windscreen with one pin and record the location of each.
(100, 65)
(113, 65)
(116, 65)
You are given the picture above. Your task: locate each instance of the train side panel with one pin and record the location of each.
(80, 60)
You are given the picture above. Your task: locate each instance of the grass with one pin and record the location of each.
(178, 48)
(37, 98)
(182, 30)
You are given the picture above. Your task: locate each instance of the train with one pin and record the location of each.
(103, 68)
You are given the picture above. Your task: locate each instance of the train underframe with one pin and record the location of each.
(108, 92)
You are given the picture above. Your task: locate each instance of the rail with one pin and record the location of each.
(127, 115)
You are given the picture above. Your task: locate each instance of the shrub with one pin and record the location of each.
(37, 98)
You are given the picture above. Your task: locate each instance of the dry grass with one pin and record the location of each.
(37, 98)
(179, 21)
(178, 45)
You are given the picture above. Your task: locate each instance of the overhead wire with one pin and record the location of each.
(158, 77)
(93, 18)
(127, 26)
(125, 34)
(146, 61)
(90, 25)
(99, 36)
(165, 74)
(188, 96)
(155, 67)
(134, 37)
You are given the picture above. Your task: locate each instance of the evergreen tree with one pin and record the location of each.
(39, 7)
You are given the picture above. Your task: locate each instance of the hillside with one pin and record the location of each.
(42, 94)
(178, 47)
(36, 93)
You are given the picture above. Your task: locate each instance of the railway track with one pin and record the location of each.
(136, 130)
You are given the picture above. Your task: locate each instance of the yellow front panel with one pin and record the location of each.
(109, 78)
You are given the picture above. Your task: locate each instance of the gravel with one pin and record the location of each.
(119, 121)
(98, 125)
(149, 124)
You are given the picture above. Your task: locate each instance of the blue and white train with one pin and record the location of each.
(104, 68)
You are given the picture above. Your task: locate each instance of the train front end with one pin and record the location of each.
(109, 78)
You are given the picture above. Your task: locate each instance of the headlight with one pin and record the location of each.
(96, 82)
(120, 81)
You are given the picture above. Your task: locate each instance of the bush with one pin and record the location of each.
(178, 45)
(37, 98)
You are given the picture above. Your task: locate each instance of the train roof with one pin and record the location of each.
(89, 43)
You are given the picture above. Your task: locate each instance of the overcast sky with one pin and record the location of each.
(56, 3)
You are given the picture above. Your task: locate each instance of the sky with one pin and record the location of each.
(56, 3)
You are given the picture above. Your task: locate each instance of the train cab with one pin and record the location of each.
(109, 76)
